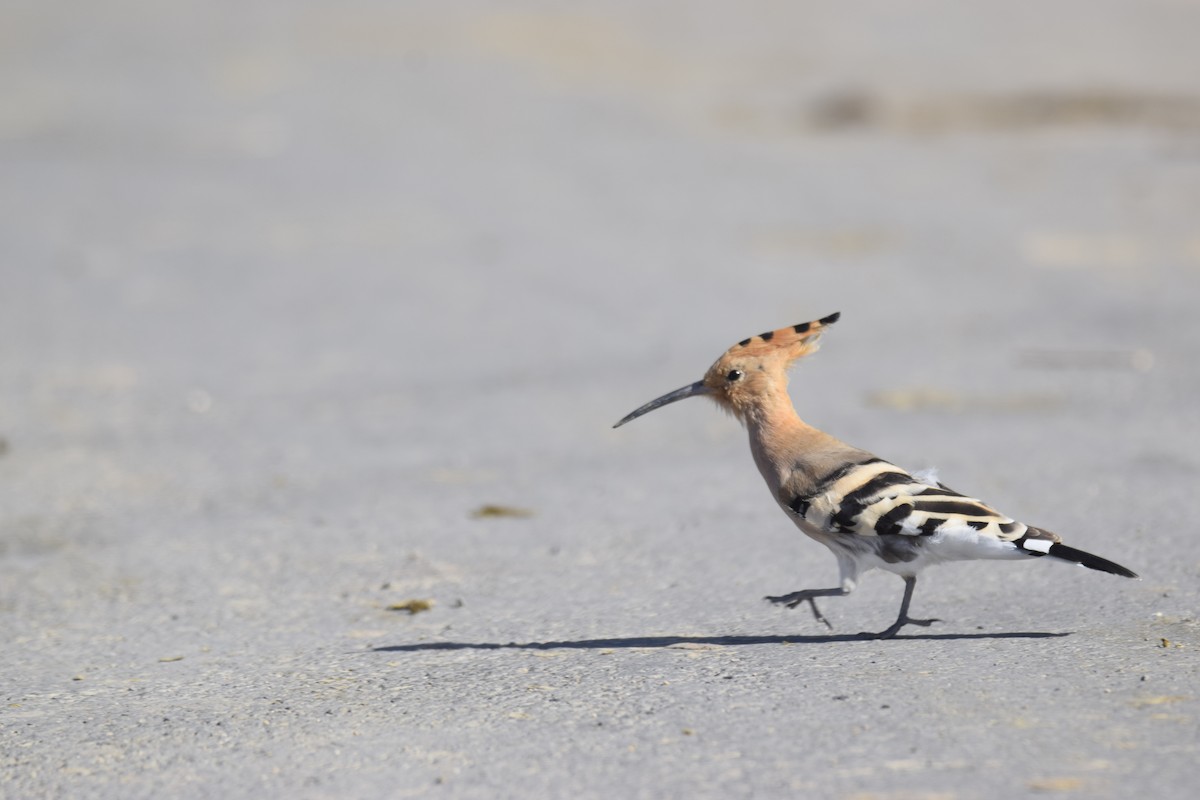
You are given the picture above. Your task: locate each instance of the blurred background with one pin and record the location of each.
(364, 211)
(289, 289)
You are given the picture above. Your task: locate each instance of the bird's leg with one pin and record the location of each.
(849, 574)
(808, 595)
(910, 583)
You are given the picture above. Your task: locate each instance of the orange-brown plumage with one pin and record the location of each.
(750, 379)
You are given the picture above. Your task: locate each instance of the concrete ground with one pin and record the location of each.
(291, 291)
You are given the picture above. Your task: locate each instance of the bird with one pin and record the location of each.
(869, 512)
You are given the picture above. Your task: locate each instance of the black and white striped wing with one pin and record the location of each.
(875, 498)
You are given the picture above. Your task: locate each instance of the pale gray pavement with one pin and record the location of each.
(289, 289)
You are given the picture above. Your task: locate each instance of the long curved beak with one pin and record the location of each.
(670, 397)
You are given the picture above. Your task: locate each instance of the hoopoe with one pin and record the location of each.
(870, 513)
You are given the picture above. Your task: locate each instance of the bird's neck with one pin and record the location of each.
(779, 439)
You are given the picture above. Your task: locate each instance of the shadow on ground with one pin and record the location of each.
(682, 642)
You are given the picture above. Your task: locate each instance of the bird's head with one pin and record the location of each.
(751, 373)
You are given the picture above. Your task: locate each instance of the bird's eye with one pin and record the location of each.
(734, 375)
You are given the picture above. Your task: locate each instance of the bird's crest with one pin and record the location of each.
(792, 342)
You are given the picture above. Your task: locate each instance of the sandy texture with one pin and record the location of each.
(314, 318)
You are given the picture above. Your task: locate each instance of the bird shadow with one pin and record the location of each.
(682, 642)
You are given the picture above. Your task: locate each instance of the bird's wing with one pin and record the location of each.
(875, 498)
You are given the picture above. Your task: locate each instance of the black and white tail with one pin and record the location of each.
(1048, 547)
(1061, 551)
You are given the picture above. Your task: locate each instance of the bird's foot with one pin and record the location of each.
(897, 625)
(796, 598)
(790, 600)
